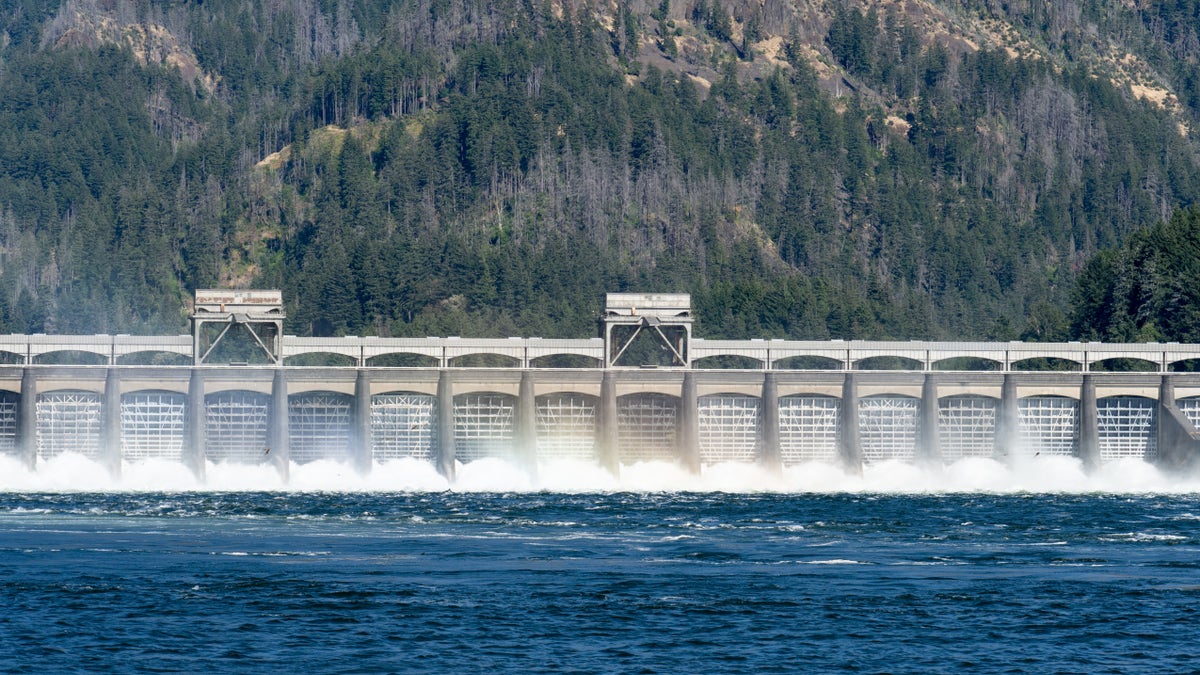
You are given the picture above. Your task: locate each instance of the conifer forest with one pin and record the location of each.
(806, 169)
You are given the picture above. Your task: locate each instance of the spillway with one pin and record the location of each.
(363, 417)
(645, 391)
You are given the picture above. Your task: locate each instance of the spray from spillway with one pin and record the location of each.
(75, 473)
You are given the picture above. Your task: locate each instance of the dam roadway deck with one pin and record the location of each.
(531, 352)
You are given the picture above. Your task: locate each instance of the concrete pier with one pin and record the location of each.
(606, 425)
(928, 450)
(110, 431)
(526, 424)
(280, 453)
(27, 418)
(689, 424)
(193, 450)
(1008, 423)
(850, 448)
(1089, 427)
(444, 457)
(769, 454)
(1178, 440)
(360, 425)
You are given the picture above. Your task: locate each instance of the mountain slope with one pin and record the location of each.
(806, 169)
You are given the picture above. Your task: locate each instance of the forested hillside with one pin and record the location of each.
(805, 168)
(1148, 290)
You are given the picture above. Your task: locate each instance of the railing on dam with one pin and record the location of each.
(443, 352)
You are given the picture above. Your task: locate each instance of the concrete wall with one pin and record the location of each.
(1178, 441)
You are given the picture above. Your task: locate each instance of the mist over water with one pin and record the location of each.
(1051, 474)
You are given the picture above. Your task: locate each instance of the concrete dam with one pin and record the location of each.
(645, 390)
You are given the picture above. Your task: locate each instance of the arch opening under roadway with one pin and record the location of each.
(154, 357)
(1124, 365)
(565, 361)
(1046, 364)
(485, 360)
(321, 360)
(888, 363)
(968, 363)
(727, 362)
(402, 360)
(11, 358)
(808, 362)
(1185, 366)
(71, 357)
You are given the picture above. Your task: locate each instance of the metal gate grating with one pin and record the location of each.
(235, 426)
(483, 426)
(646, 427)
(887, 427)
(404, 425)
(809, 428)
(152, 425)
(318, 426)
(728, 428)
(1049, 425)
(68, 421)
(967, 427)
(566, 426)
(1127, 426)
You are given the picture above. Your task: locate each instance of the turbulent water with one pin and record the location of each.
(975, 567)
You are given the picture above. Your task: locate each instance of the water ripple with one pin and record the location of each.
(604, 582)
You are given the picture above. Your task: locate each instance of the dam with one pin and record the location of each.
(238, 390)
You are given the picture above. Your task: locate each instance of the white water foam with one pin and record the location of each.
(75, 473)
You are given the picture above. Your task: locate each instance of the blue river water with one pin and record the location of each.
(620, 582)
